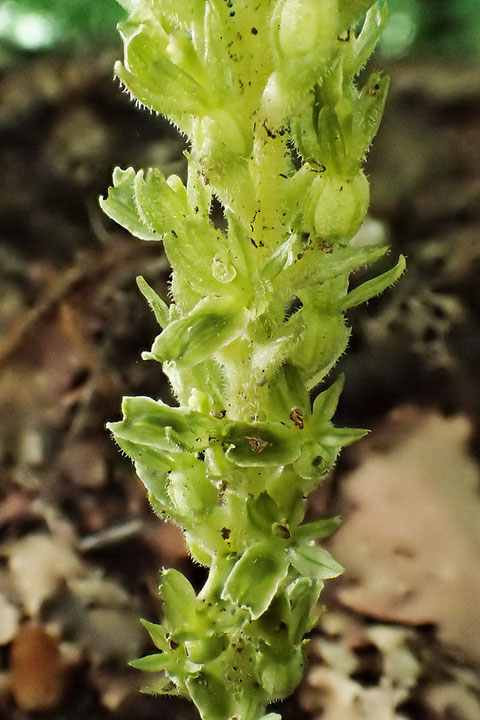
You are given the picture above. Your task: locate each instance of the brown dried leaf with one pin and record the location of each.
(83, 463)
(37, 680)
(411, 543)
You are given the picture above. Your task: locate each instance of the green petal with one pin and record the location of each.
(341, 437)
(180, 599)
(150, 663)
(158, 634)
(326, 402)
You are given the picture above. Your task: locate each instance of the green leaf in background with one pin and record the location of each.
(45, 24)
(446, 27)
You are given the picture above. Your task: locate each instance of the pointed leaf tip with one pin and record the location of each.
(373, 287)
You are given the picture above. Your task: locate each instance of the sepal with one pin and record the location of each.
(200, 334)
(159, 206)
(262, 513)
(313, 357)
(314, 266)
(199, 194)
(289, 397)
(181, 14)
(256, 576)
(369, 109)
(239, 245)
(158, 635)
(210, 695)
(155, 482)
(303, 595)
(359, 49)
(326, 402)
(317, 530)
(282, 258)
(173, 663)
(280, 676)
(314, 561)
(154, 460)
(206, 648)
(337, 438)
(180, 603)
(151, 663)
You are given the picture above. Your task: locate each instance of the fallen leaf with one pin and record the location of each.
(336, 696)
(37, 680)
(411, 539)
(38, 564)
(9, 620)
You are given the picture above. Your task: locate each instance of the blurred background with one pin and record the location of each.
(79, 547)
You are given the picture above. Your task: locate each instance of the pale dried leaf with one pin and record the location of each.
(112, 634)
(337, 696)
(453, 700)
(411, 540)
(9, 620)
(401, 668)
(38, 564)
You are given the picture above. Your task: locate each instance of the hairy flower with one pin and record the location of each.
(256, 319)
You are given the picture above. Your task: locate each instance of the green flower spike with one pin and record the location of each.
(266, 92)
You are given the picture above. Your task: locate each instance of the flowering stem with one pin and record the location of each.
(278, 128)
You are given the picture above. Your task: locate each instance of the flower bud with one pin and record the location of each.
(221, 126)
(306, 25)
(175, 183)
(281, 677)
(191, 492)
(337, 206)
(206, 648)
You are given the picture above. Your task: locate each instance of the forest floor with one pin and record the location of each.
(80, 549)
